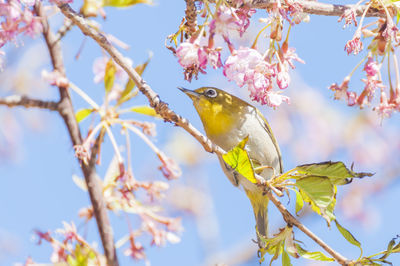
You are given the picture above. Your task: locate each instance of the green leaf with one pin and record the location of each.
(239, 160)
(348, 236)
(125, 3)
(275, 245)
(130, 84)
(286, 259)
(389, 249)
(127, 92)
(396, 249)
(313, 255)
(318, 189)
(299, 202)
(319, 192)
(141, 68)
(82, 114)
(145, 110)
(109, 75)
(71, 261)
(337, 172)
(329, 211)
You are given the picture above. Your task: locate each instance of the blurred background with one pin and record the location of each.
(37, 160)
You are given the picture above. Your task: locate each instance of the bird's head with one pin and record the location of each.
(219, 111)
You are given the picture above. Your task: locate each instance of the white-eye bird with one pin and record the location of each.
(227, 120)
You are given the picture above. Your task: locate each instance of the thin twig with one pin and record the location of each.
(318, 8)
(67, 26)
(18, 100)
(66, 111)
(163, 110)
(291, 220)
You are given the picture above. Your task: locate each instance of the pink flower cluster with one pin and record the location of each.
(231, 19)
(294, 10)
(349, 17)
(17, 17)
(70, 247)
(194, 58)
(194, 55)
(246, 66)
(354, 45)
(372, 83)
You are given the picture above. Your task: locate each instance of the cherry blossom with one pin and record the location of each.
(33, 25)
(214, 57)
(289, 55)
(169, 167)
(391, 31)
(384, 109)
(231, 19)
(351, 98)
(349, 17)
(354, 45)
(246, 66)
(371, 67)
(135, 250)
(192, 57)
(275, 99)
(283, 79)
(18, 18)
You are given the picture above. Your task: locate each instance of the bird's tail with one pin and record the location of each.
(260, 209)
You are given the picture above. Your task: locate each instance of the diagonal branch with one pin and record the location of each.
(163, 110)
(66, 111)
(318, 8)
(18, 100)
(155, 102)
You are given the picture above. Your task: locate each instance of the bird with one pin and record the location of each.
(227, 120)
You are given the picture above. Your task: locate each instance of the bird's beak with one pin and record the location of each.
(192, 94)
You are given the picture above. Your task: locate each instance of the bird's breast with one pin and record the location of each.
(260, 146)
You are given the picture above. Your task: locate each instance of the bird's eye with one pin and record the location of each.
(210, 93)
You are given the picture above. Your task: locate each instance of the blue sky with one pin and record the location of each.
(38, 192)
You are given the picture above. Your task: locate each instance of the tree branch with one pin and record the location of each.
(18, 100)
(318, 8)
(163, 110)
(66, 111)
(291, 220)
(160, 107)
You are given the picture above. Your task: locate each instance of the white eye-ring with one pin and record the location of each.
(210, 93)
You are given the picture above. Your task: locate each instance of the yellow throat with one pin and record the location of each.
(219, 112)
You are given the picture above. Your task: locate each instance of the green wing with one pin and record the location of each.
(265, 124)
